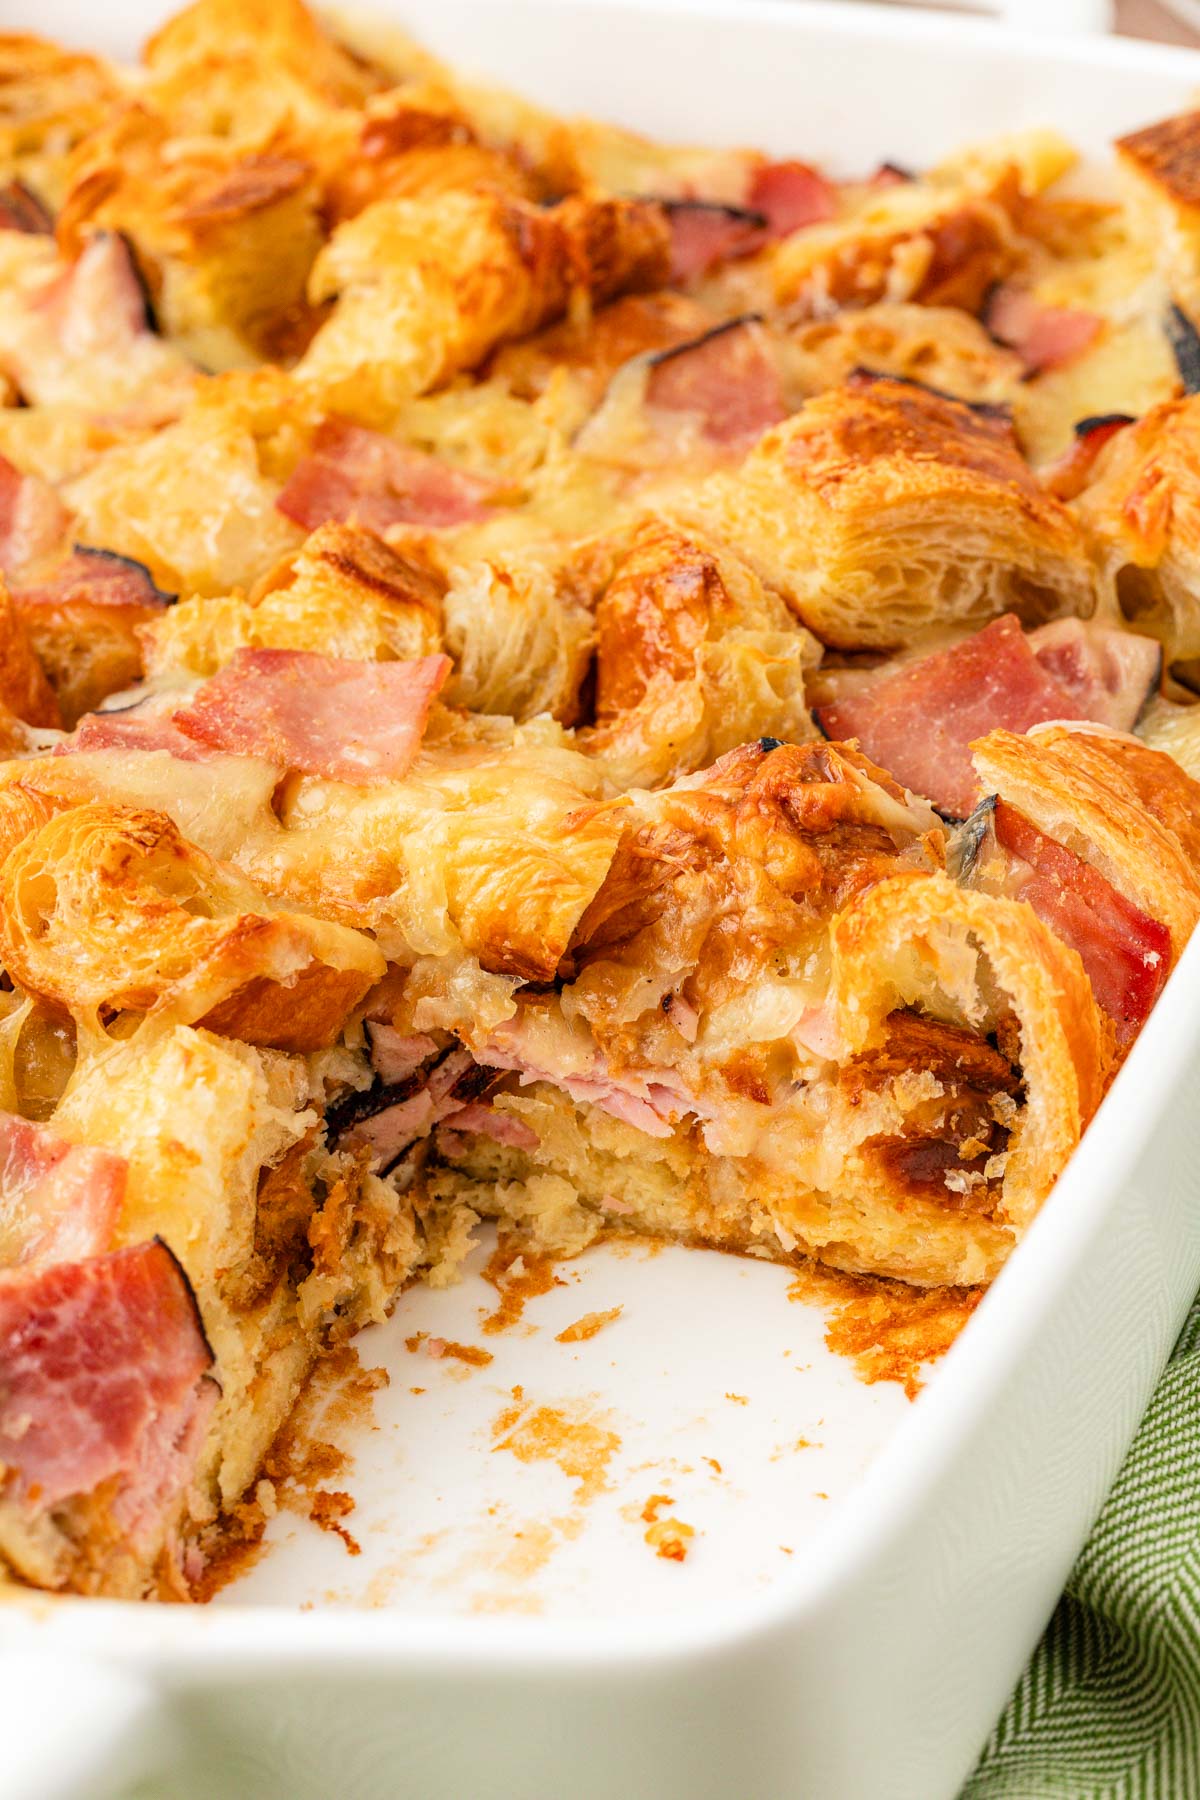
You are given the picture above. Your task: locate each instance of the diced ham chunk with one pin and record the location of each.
(790, 195)
(58, 1200)
(1127, 955)
(388, 1133)
(33, 519)
(918, 723)
(97, 307)
(502, 1127)
(134, 730)
(1044, 337)
(781, 198)
(396, 1055)
(706, 233)
(1067, 478)
(102, 578)
(358, 477)
(101, 1379)
(1110, 674)
(318, 715)
(727, 378)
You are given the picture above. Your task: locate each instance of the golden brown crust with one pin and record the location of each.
(1168, 155)
(24, 686)
(937, 243)
(106, 908)
(1141, 510)
(902, 942)
(425, 289)
(883, 511)
(225, 238)
(693, 656)
(343, 593)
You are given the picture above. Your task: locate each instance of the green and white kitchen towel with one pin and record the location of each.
(1109, 1708)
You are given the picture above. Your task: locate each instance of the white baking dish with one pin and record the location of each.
(870, 1661)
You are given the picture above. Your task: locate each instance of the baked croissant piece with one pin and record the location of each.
(884, 512)
(783, 1027)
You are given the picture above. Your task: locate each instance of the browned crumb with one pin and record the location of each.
(787, 1549)
(581, 1447)
(416, 1390)
(413, 1344)
(887, 1329)
(669, 1539)
(739, 1399)
(653, 1506)
(327, 1509)
(588, 1326)
(820, 1495)
(534, 1276)
(713, 1464)
(466, 1353)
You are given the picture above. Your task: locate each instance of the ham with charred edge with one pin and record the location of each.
(1044, 337)
(725, 376)
(1068, 476)
(103, 1378)
(100, 577)
(389, 1116)
(706, 233)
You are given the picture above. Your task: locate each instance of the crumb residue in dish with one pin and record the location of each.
(587, 1326)
(887, 1330)
(472, 1354)
(670, 1539)
(577, 1440)
(517, 1279)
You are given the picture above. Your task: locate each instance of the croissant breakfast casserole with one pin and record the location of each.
(552, 679)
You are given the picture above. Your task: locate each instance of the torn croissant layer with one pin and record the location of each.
(551, 678)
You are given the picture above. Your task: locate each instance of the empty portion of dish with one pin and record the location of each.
(550, 677)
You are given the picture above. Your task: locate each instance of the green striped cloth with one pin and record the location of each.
(1109, 1708)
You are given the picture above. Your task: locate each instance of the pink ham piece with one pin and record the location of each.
(728, 378)
(706, 233)
(501, 1127)
(98, 306)
(97, 578)
(1109, 674)
(318, 715)
(1127, 955)
(102, 1366)
(1069, 475)
(647, 1110)
(387, 1134)
(359, 477)
(134, 730)
(33, 520)
(918, 724)
(58, 1201)
(396, 1055)
(791, 195)
(1044, 337)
